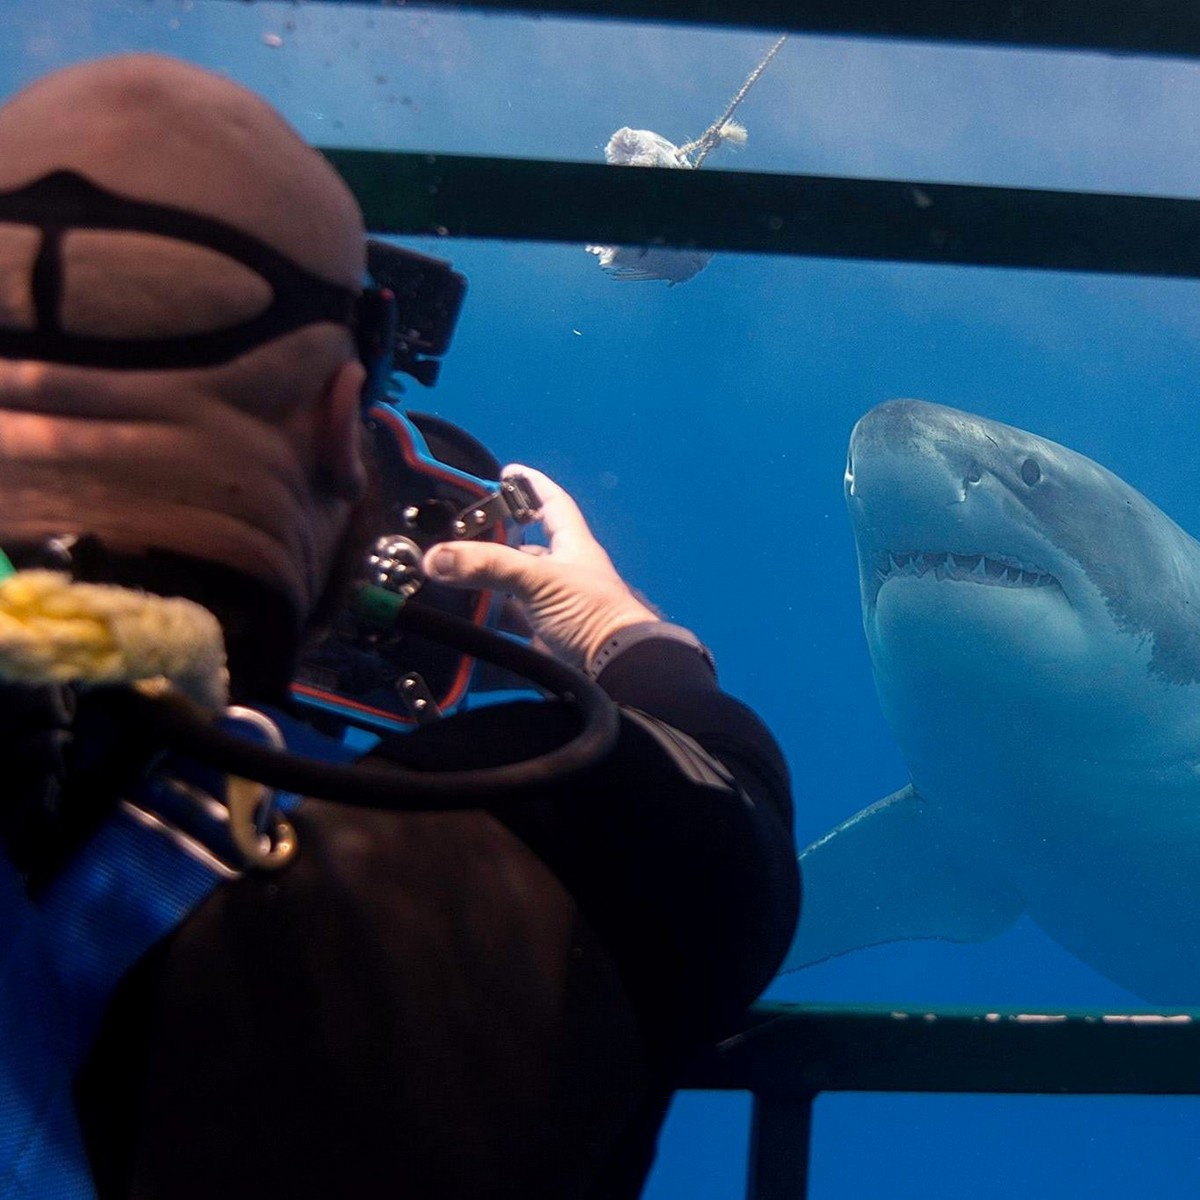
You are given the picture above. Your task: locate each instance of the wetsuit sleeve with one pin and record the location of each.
(677, 848)
(728, 849)
(671, 682)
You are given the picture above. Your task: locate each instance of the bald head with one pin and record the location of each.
(158, 129)
(254, 462)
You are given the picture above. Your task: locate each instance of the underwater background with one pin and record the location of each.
(703, 427)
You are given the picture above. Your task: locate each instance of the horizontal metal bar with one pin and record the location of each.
(793, 1052)
(1169, 27)
(816, 215)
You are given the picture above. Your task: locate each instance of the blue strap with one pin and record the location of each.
(60, 960)
(41, 1150)
(62, 956)
(135, 883)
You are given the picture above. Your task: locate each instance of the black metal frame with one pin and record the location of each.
(1165, 27)
(905, 221)
(786, 1055)
(821, 216)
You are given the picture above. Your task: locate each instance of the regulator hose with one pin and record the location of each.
(187, 729)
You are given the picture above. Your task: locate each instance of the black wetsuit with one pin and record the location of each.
(435, 1007)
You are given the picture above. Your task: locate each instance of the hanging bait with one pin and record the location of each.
(645, 148)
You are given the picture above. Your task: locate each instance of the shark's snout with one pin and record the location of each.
(942, 449)
(941, 495)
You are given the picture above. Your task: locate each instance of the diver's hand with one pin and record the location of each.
(570, 593)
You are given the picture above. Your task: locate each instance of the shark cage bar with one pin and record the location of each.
(821, 216)
(785, 1055)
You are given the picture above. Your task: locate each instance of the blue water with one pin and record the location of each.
(704, 427)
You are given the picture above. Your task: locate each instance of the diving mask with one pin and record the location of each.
(402, 323)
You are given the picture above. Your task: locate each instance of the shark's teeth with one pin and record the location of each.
(998, 570)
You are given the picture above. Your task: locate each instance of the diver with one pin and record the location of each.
(299, 996)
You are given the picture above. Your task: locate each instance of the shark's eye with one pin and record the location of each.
(1030, 471)
(974, 473)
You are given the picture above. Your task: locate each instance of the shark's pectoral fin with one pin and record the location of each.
(885, 875)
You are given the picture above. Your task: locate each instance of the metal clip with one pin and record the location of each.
(264, 837)
(417, 698)
(515, 500)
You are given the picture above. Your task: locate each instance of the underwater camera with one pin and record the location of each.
(434, 483)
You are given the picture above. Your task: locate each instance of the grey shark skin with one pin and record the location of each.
(1034, 630)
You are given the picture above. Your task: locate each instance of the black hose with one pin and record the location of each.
(186, 729)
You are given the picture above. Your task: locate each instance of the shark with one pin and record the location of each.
(1033, 625)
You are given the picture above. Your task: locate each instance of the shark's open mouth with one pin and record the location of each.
(996, 570)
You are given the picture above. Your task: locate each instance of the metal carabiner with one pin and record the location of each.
(263, 836)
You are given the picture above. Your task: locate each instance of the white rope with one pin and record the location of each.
(54, 630)
(712, 136)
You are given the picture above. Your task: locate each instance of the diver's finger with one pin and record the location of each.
(559, 510)
(564, 523)
(534, 549)
(488, 565)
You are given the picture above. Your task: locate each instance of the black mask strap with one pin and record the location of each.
(63, 200)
